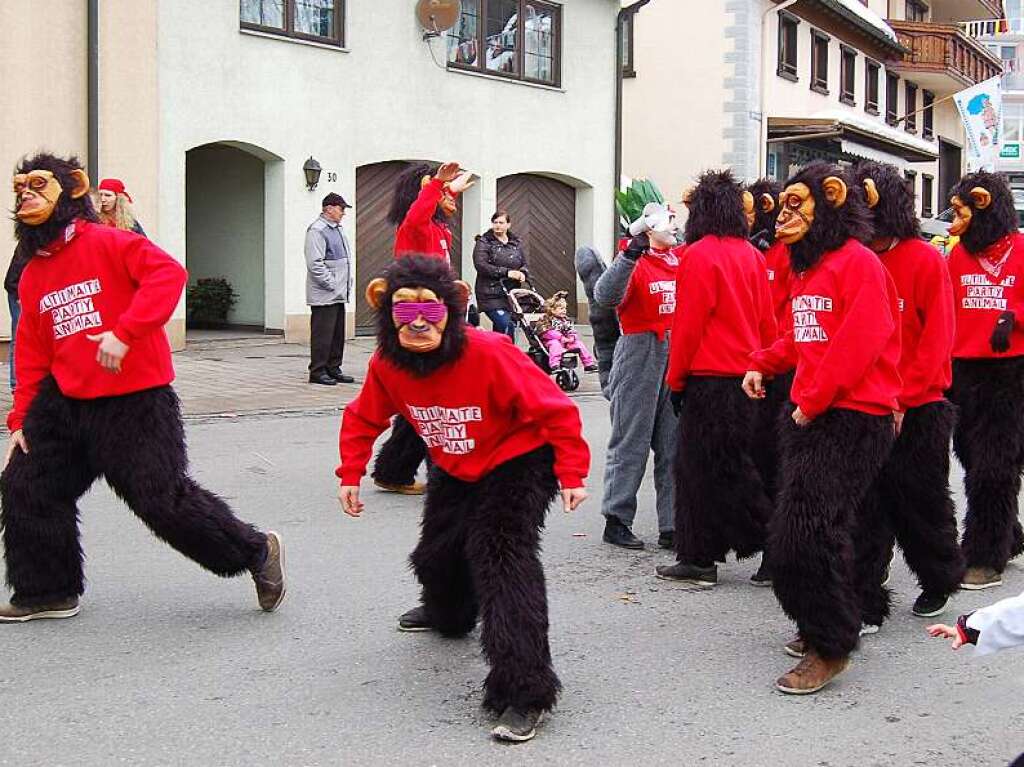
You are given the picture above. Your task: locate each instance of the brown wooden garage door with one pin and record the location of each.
(375, 237)
(543, 213)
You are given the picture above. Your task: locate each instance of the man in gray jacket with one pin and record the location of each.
(329, 281)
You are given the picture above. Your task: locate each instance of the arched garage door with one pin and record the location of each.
(375, 236)
(543, 213)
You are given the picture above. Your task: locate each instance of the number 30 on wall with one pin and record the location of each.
(332, 176)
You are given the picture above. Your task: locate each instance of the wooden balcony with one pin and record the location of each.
(942, 57)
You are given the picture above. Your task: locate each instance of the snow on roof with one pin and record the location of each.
(877, 127)
(872, 18)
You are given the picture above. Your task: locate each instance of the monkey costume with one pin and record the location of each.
(83, 412)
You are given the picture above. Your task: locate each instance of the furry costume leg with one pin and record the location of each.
(39, 491)
(989, 441)
(148, 468)
(400, 456)
(765, 450)
(872, 547)
(720, 500)
(504, 520)
(828, 468)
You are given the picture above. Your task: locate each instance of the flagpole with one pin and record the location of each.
(937, 101)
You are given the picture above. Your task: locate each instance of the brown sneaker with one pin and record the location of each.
(67, 608)
(811, 674)
(978, 578)
(795, 647)
(416, 488)
(270, 586)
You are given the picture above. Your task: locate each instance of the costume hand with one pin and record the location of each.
(573, 497)
(637, 246)
(447, 172)
(800, 419)
(111, 351)
(16, 442)
(676, 398)
(348, 496)
(515, 274)
(1000, 340)
(942, 631)
(753, 385)
(897, 421)
(462, 182)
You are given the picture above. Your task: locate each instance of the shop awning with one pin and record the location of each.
(851, 132)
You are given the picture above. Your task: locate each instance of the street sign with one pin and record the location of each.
(1010, 150)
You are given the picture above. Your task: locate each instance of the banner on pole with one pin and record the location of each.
(981, 109)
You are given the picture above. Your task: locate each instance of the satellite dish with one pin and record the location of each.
(437, 16)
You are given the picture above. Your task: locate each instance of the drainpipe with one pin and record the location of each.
(619, 22)
(93, 112)
(762, 151)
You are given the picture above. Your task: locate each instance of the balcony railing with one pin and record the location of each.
(994, 27)
(945, 49)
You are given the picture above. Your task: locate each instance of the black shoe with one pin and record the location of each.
(684, 571)
(517, 726)
(763, 576)
(667, 540)
(415, 620)
(590, 368)
(340, 377)
(322, 378)
(617, 534)
(928, 604)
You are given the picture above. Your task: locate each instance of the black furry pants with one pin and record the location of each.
(828, 468)
(766, 447)
(721, 504)
(479, 552)
(400, 456)
(137, 442)
(989, 441)
(910, 502)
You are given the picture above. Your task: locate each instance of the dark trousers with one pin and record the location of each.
(910, 502)
(401, 455)
(501, 321)
(326, 337)
(479, 554)
(721, 504)
(989, 441)
(137, 442)
(828, 468)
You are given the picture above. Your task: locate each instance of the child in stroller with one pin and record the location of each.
(554, 345)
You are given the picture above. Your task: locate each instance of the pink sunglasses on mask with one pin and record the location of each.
(407, 311)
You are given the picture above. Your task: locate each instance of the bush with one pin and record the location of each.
(630, 202)
(208, 301)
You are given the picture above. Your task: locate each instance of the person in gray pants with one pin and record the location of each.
(640, 285)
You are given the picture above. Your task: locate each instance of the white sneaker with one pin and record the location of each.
(868, 628)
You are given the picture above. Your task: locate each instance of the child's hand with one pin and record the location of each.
(940, 630)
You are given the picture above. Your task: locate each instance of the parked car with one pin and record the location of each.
(936, 229)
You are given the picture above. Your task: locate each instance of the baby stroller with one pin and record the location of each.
(526, 306)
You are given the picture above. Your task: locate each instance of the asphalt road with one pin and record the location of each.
(167, 665)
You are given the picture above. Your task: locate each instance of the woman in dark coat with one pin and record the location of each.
(498, 256)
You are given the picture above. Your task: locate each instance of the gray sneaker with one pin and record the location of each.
(270, 583)
(517, 726)
(978, 578)
(687, 573)
(67, 608)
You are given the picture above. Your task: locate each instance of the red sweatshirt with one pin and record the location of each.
(650, 298)
(777, 260)
(420, 234)
(980, 297)
(487, 407)
(926, 320)
(93, 279)
(844, 338)
(723, 310)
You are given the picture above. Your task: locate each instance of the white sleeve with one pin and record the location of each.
(999, 626)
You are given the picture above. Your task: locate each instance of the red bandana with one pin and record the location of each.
(993, 258)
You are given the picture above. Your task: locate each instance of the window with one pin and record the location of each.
(916, 11)
(871, 70)
(1012, 114)
(819, 62)
(847, 73)
(928, 127)
(626, 44)
(892, 94)
(787, 46)
(320, 20)
(910, 124)
(927, 189)
(520, 39)
(911, 177)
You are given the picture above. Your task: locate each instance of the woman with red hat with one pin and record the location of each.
(115, 206)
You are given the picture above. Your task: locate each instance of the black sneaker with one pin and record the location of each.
(684, 571)
(517, 726)
(415, 620)
(763, 576)
(928, 604)
(617, 534)
(667, 540)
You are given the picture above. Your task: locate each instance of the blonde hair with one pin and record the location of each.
(122, 216)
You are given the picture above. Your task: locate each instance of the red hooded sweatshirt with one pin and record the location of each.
(420, 234)
(723, 310)
(926, 320)
(981, 295)
(843, 336)
(490, 405)
(650, 298)
(777, 260)
(94, 278)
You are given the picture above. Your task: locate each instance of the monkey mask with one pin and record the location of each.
(37, 192)
(796, 208)
(984, 212)
(981, 199)
(761, 211)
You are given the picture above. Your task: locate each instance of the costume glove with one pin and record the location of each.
(1000, 340)
(676, 398)
(637, 247)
